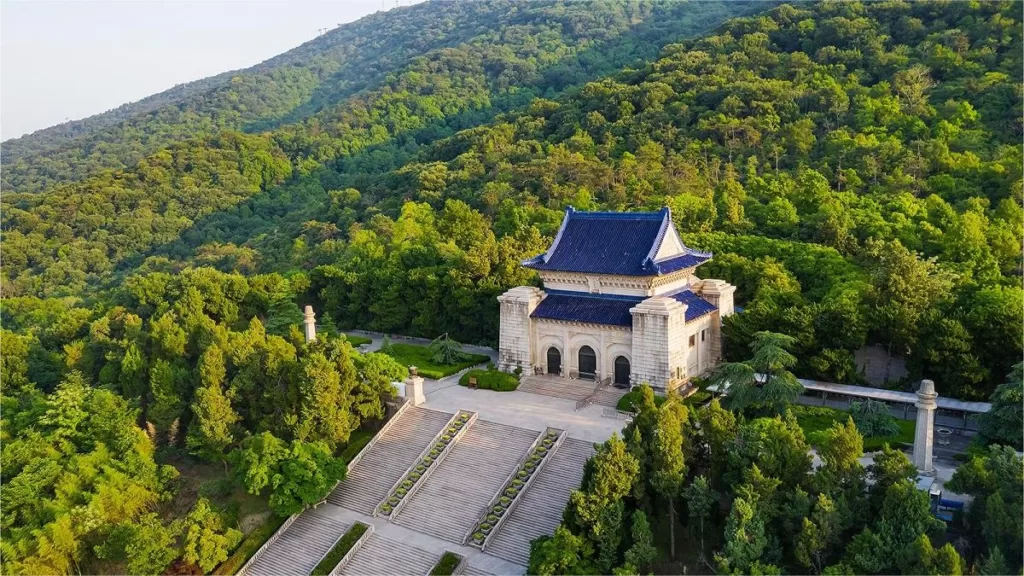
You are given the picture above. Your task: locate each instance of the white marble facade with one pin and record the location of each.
(585, 331)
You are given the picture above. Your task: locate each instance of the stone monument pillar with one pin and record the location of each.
(309, 323)
(414, 387)
(515, 348)
(924, 434)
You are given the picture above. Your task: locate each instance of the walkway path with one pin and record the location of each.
(300, 548)
(369, 481)
(540, 510)
(454, 496)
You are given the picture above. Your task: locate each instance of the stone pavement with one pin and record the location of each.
(425, 542)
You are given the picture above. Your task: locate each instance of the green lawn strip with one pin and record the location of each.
(356, 341)
(814, 420)
(249, 546)
(491, 380)
(420, 357)
(340, 549)
(446, 565)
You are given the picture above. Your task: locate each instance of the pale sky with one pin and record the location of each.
(66, 60)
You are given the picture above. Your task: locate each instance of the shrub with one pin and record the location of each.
(491, 380)
(504, 500)
(253, 542)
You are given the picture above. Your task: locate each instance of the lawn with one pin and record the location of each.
(356, 341)
(814, 420)
(491, 380)
(420, 357)
(446, 565)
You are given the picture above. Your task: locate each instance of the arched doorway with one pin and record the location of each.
(622, 372)
(554, 361)
(587, 363)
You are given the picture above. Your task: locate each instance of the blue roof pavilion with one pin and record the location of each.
(618, 243)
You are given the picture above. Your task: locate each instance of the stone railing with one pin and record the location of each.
(388, 508)
(273, 538)
(503, 511)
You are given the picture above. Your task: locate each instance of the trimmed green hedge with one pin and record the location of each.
(491, 380)
(357, 341)
(249, 546)
(420, 357)
(446, 565)
(340, 549)
(356, 442)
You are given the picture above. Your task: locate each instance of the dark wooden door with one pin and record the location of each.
(554, 361)
(588, 362)
(622, 370)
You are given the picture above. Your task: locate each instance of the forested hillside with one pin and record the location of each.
(855, 167)
(349, 59)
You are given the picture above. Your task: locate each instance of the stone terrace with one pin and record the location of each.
(538, 512)
(454, 496)
(369, 481)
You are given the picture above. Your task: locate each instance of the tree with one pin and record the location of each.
(904, 517)
(889, 467)
(873, 418)
(745, 539)
(764, 381)
(207, 542)
(562, 553)
(609, 477)
(256, 461)
(444, 350)
(1004, 423)
(669, 469)
(643, 552)
(305, 477)
(945, 561)
(700, 501)
(147, 545)
(210, 432)
(325, 380)
(818, 534)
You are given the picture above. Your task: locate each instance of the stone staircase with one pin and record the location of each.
(540, 508)
(577, 390)
(451, 500)
(298, 550)
(379, 555)
(474, 571)
(369, 481)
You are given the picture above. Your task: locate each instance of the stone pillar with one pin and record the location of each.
(720, 293)
(515, 346)
(414, 387)
(658, 342)
(924, 433)
(309, 323)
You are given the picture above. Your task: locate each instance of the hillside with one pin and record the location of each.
(854, 167)
(317, 75)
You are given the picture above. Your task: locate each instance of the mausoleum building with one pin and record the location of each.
(621, 303)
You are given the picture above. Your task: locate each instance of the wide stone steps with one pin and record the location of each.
(379, 555)
(451, 500)
(571, 389)
(474, 571)
(298, 550)
(387, 461)
(540, 508)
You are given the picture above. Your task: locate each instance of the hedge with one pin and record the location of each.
(253, 542)
(491, 380)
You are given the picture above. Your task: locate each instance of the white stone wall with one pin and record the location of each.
(658, 345)
(514, 337)
(608, 342)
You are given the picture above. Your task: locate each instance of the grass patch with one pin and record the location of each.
(249, 546)
(356, 341)
(814, 420)
(491, 380)
(420, 357)
(340, 549)
(626, 403)
(446, 565)
(356, 442)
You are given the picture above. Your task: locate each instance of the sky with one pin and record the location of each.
(69, 59)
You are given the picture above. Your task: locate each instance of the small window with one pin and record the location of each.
(693, 340)
(702, 335)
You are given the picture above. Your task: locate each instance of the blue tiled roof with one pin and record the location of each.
(608, 309)
(620, 243)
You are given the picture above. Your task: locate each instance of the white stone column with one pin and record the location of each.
(309, 323)
(414, 387)
(515, 346)
(924, 433)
